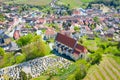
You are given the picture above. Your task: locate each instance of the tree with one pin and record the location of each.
(66, 25)
(93, 26)
(118, 46)
(95, 58)
(2, 17)
(36, 38)
(112, 50)
(80, 71)
(20, 58)
(27, 25)
(36, 49)
(76, 28)
(96, 19)
(24, 40)
(23, 75)
(2, 52)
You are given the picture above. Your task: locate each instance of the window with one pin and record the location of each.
(81, 56)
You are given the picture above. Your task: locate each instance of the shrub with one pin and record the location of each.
(2, 52)
(20, 58)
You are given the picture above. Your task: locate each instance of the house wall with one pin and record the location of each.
(59, 49)
(66, 52)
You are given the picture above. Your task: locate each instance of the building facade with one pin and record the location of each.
(69, 47)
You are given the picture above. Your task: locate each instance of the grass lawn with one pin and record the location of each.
(116, 58)
(31, 2)
(86, 1)
(41, 78)
(91, 44)
(75, 3)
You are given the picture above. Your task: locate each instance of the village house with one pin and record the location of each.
(50, 33)
(69, 47)
(41, 21)
(25, 31)
(4, 40)
(78, 12)
(75, 13)
(16, 34)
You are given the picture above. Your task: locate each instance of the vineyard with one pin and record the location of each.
(31, 2)
(108, 69)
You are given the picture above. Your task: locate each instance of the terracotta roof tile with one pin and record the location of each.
(80, 48)
(76, 52)
(16, 34)
(50, 31)
(66, 40)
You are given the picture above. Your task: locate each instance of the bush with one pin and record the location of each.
(95, 58)
(23, 76)
(2, 52)
(2, 17)
(77, 29)
(36, 49)
(112, 50)
(20, 58)
(71, 77)
(8, 60)
(80, 71)
(27, 39)
(24, 40)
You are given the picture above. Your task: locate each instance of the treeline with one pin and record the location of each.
(32, 46)
(113, 3)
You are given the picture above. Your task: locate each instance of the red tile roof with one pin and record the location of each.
(76, 12)
(66, 40)
(80, 48)
(76, 52)
(16, 34)
(41, 20)
(70, 42)
(66, 32)
(50, 31)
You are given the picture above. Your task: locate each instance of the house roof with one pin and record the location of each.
(50, 31)
(76, 52)
(1, 32)
(80, 49)
(66, 40)
(66, 32)
(16, 34)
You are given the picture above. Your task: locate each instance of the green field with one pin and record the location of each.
(108, 69)
(75, 3)
(31, 2)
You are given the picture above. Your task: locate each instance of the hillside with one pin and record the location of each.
(87, 3)
(71, 3)
(74, 3)
(108, 69)
(31, 2)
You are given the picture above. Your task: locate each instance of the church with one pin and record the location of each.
(69, 46)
